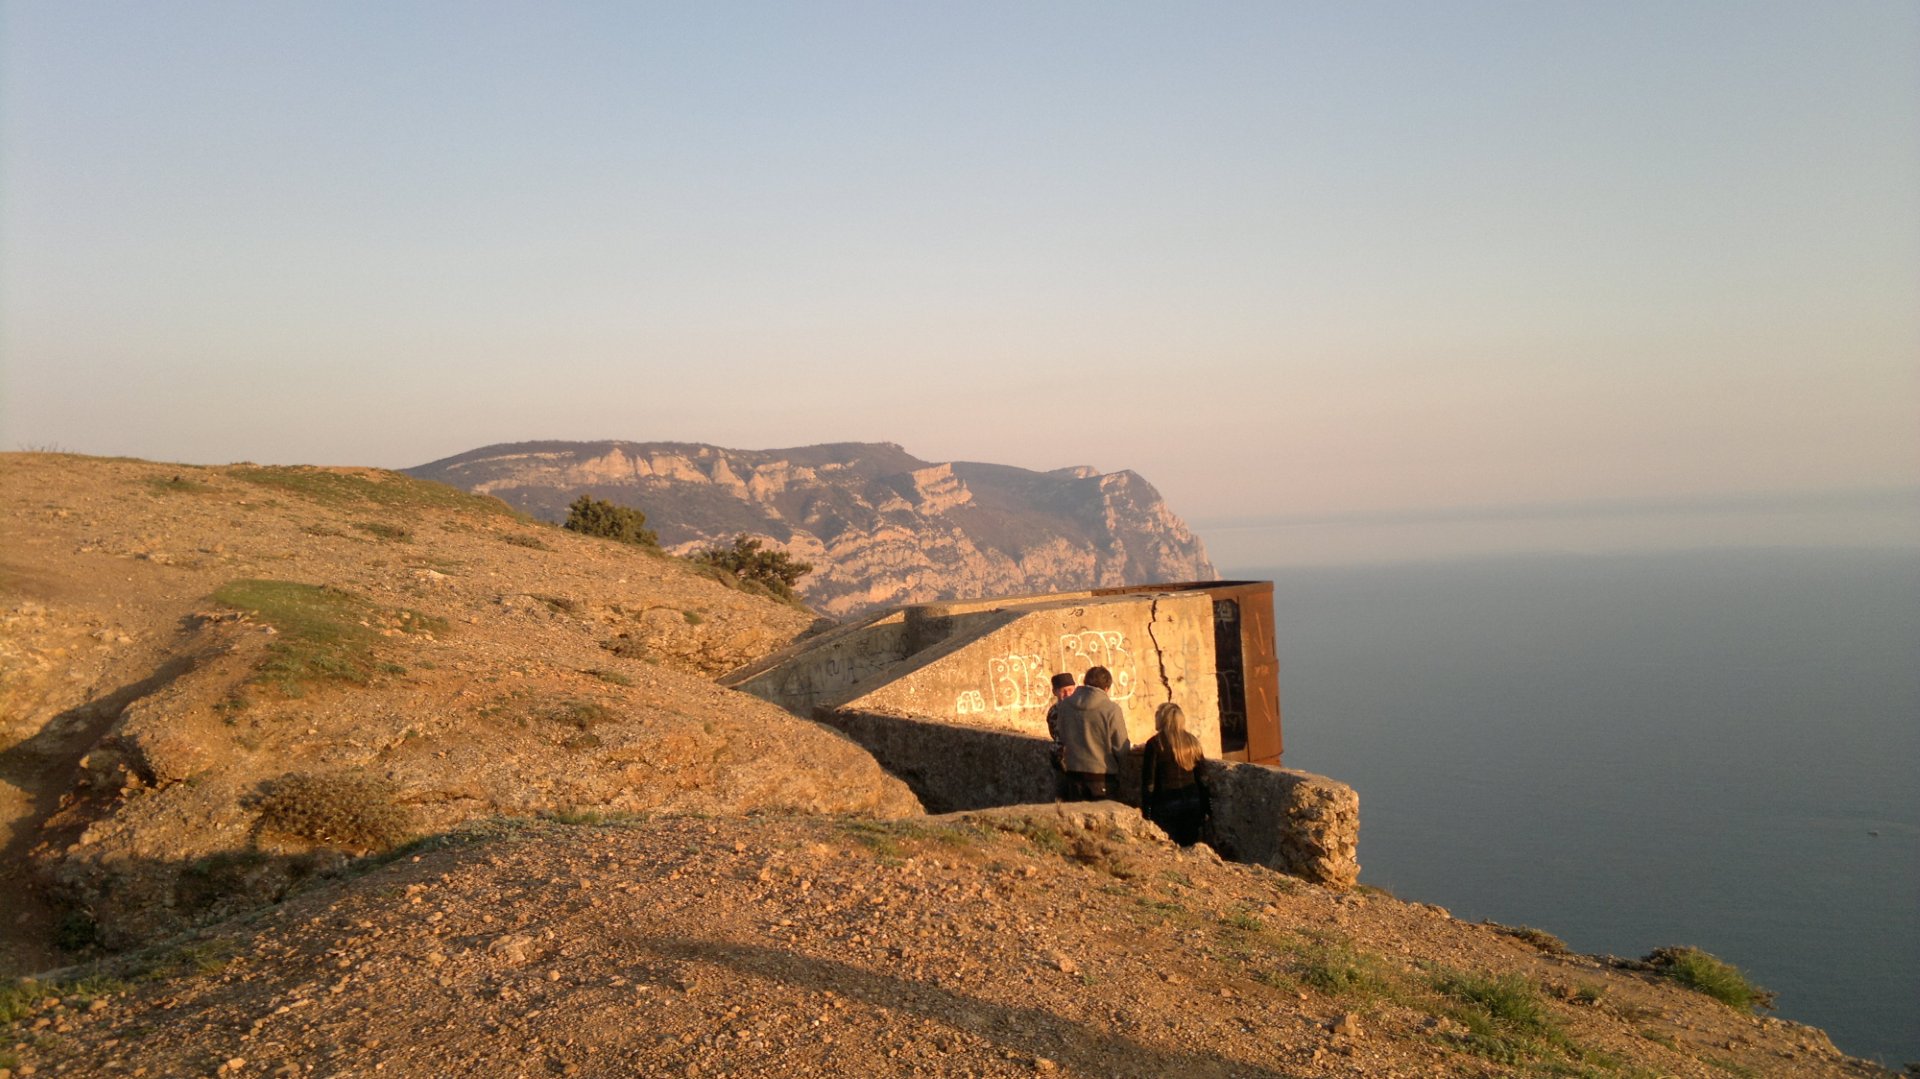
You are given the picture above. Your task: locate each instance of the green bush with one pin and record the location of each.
(748, 560)
(344, 809)
(1704, 973)
(598, 517)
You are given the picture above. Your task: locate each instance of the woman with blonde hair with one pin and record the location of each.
(1171, 794)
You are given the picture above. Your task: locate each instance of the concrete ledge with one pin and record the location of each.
(1296, 822)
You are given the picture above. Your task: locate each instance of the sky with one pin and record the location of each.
(1344, 281)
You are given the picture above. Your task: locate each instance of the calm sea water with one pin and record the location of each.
(1712, 748)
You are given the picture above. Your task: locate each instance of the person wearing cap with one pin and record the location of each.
(1062, 688)
(1093, 736)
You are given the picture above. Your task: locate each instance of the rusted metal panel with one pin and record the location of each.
(1261, 669)
(1245, 661)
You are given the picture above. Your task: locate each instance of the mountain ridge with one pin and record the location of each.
(880, 525)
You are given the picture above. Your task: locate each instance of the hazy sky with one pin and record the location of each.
(1348, 264)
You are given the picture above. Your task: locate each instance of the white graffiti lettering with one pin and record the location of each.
(1099, 648)
(1017, 682)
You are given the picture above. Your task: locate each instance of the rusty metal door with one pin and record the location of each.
(1261, 668)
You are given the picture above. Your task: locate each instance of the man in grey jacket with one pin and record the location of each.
(1093, 737)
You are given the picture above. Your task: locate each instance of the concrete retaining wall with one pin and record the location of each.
(951, 767)
(1159, 648)
(1296, 822)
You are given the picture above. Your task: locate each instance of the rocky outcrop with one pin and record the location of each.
(879, 525)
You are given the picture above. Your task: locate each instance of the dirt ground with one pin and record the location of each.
(1013, 943)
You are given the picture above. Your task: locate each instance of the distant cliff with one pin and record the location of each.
(879, 525)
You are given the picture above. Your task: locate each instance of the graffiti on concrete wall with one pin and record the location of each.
(1019, 681)
(1099, 648)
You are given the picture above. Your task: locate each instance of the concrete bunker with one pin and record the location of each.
(952, 698)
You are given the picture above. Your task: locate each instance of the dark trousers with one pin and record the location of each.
(1182, 814)
(1086, 786)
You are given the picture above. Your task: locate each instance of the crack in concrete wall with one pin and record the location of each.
(1159, 654)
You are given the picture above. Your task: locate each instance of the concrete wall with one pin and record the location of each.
(951, 767)
(1296, 822)
(1159, 648)
(826, 669)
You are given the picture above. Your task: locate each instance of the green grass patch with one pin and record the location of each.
(1707, 974)
(1044, 837)
(890, 838)
(393, 490)
(192, 958)
(1506, 1019)
(1244, 920)
(1337, 968)
(21, 997)
(614, 678)
(887, 847)
(521, 539)
(323, 633)
(693, 618)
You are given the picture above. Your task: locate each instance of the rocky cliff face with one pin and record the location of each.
(879, 525)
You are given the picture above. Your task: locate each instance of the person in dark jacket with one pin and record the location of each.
(1093, 737)
(1171, 794)
(1062, 689)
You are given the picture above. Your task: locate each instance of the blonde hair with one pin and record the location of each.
(1170, 723)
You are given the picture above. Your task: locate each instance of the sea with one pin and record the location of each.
(1715, 748)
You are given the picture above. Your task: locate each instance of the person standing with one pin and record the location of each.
(1062, 689)
(1171, 794)
(1093, 737)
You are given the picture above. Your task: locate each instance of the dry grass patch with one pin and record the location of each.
(352, 810)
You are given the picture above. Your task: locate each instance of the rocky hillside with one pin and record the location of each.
(214, 681)
(880, 526)
(335, 772)
(1006, 945)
